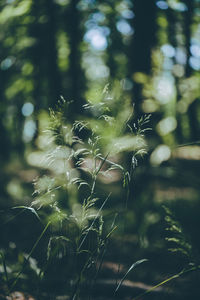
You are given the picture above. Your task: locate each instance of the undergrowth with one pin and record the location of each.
(80, 159)
(67, 202)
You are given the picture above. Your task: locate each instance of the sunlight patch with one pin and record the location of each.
(29, 130)
(27, 109)
(165, 89)
(97, 39)
(160, 154)
(166, 125)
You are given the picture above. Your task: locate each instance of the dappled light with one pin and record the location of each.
(29, 130)
(187, 152)
(165, 90)
(27, 109)
(166, 125)
(160, 154)
(124, 27)
(97, 39)
(100, 149)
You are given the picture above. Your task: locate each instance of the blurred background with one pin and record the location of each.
(149, 53)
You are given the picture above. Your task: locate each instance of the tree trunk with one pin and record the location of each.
(192, 111)
(76, 79)
(144, 24)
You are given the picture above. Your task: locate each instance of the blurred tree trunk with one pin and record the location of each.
(43, 54)
(115, 45)
(172, 36)
(144, 24)
(53, 75)
(76, 78)
(34, 53)
(144, 38)
(5, 142)
(192, 111)
(5, 113)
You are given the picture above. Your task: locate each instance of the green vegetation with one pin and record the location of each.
(100, 192)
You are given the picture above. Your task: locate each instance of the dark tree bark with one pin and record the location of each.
(75, 79)
(172, 37)
(36, 53)
(144, 24)
(53, 75)
(192, 111)
(5, 142)
(115, 45)
(43, 54)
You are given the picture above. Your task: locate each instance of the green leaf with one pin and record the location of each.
(131, 268)
(31, 209)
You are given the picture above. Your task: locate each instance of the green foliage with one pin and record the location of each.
(67, 199)
(84, 161)
(176, 238)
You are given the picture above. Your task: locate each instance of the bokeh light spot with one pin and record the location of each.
(167, 125)
(160, 154)
(96, 38)
(162, 4)
(164, 89)
(27, 109)
(98, 17)
(181, 56)
(7, 63)
(195, 50)
(178, 70)
(124, 27)
(194, 63)
(127, 14)
(29, 130)
(179, 6)
(168, 50)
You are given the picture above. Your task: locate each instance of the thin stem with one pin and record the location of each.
(166, 281)
(97, 215)
(31, 252)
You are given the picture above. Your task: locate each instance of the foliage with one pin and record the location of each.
(149, 52)
(176, 236)
(66, 201)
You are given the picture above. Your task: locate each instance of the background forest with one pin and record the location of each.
(107, 180)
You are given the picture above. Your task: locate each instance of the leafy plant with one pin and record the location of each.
(66, 198)
(176, 238)
(86, 153)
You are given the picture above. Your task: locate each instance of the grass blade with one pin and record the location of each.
(131, 268)
(101, 164)
(31, 252)
(31, 209)
(97, 215)
(166, 281)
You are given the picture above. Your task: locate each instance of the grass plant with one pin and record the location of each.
(68, 202)
(66, 199)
